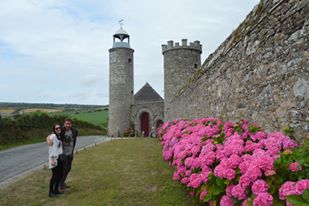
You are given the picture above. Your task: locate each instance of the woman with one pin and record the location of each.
(55, 163)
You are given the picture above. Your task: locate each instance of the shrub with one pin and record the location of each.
(236, 163)
(38, 124)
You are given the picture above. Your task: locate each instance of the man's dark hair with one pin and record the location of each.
(68, 120)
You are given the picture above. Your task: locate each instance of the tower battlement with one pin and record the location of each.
(184, 45)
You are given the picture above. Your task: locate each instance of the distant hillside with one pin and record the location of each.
(8, 109)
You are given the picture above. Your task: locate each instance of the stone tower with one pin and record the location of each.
(180, 62)
(121, 85)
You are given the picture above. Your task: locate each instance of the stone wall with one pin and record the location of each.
(260, 72)
(155, 110)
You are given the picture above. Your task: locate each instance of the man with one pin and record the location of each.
(68, 137)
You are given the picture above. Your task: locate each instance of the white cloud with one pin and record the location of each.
(63, 45)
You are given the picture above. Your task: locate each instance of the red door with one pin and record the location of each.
(145, 124)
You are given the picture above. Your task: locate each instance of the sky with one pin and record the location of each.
(56, 51)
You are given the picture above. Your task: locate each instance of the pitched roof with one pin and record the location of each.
(147, 94)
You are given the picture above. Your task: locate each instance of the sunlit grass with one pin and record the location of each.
(119, 172)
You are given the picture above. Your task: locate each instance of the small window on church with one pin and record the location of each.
(131, 91)
(195, 66)
(129, 60)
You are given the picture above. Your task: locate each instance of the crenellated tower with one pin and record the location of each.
(180, 62)
(121, 83)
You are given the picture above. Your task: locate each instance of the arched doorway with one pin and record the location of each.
(145, 123)
(159, 123)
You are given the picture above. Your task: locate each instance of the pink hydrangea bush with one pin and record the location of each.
(227, 163)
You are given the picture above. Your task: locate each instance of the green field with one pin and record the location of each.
(129, 172)
(99, 118)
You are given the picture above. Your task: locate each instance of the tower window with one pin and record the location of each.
(129, 60)
(195, 66)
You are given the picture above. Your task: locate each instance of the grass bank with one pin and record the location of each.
(98, 117)
(121, 172)
(34, 127)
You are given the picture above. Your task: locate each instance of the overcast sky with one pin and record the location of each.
(56, 51)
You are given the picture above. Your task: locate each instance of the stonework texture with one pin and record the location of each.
(120, 90)
(260, 72)
(180, 62)
(155, 111)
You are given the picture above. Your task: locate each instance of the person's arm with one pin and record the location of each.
(74, 140)
(49, 141)
(53, 153)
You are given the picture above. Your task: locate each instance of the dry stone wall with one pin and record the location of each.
(260, 72)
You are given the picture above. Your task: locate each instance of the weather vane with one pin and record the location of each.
(121, 22)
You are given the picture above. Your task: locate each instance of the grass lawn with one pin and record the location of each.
(96, 118)
(120, 172)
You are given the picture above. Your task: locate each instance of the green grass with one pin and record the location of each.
(97, 118)
(121, 172)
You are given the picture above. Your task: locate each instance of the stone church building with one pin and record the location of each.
(145, 110)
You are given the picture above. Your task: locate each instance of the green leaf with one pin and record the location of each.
(208, 197)
(297, 200)
(227, 182)
(305, 196)
(250, 202)
(272, 189)
(253, 128)
(278, 202)
(220, 182)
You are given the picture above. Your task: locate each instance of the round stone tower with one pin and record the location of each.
(121, 85)
(180, 62)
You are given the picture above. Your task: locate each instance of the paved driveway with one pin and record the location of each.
(16, 161)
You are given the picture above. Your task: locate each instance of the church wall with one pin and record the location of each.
(155, 110)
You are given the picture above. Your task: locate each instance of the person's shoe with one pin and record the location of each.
(58, 193)
(51, 194)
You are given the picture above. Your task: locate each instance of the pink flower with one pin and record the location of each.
(295, 167)
(245, 203)
(192, 147)
(263, 199)
(175, 176)
(226, 201)
(203, 194)
(269, 172)
(258, 136)
(184, 180)
(239, 192)
(259, 186)
(302, 185)
(228, 190)
(288, 188)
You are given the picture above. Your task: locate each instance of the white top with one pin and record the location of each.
(55, 150)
